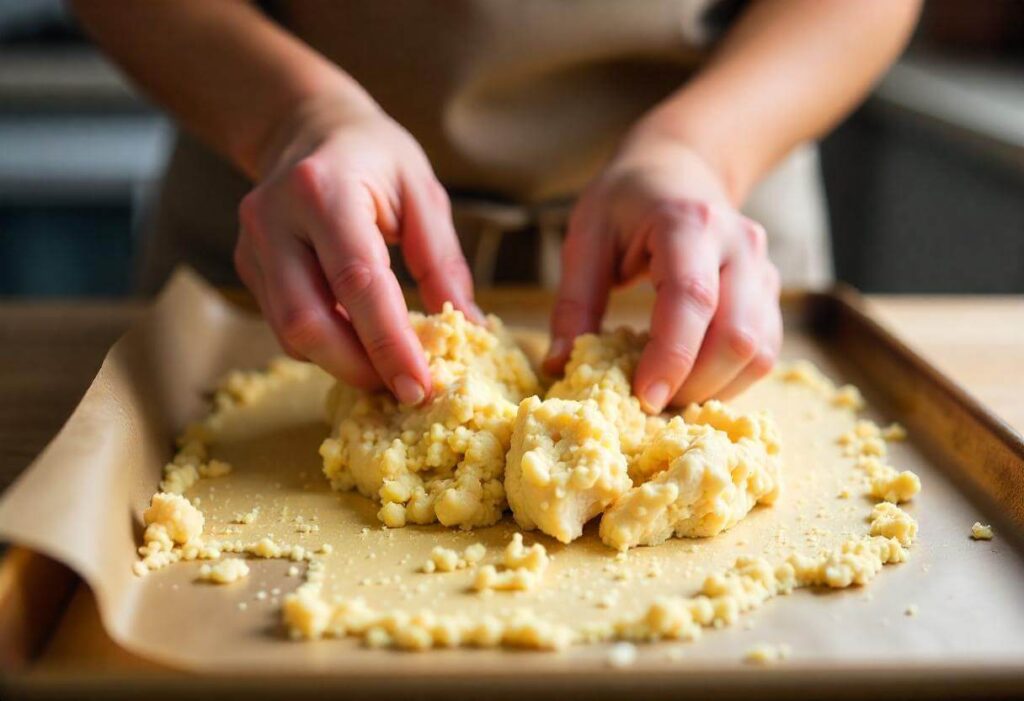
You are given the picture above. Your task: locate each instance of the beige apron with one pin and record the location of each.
(516, 103)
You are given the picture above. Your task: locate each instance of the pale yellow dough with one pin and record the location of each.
(700, 474)
(445, 461)
(583, 450)
(565, 466)
(980, 531)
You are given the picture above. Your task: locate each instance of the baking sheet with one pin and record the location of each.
(81, 503)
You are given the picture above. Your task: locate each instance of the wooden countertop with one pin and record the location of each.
(50, 351)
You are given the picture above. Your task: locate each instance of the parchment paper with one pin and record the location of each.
(81, 503)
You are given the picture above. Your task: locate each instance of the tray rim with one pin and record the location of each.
(18, 566)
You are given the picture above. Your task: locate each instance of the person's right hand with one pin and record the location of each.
(341, 184)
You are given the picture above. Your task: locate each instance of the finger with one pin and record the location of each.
(302, 311)
(340, 217)
(587, 276)
(732, 339)
(763, 361)
(432, 252)
(249, 273)
(685, 260)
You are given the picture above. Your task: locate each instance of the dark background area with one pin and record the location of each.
(925, 181)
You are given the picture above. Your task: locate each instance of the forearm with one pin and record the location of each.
(785, 73)
(228, 74)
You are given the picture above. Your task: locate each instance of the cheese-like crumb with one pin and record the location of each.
(981, 532)
(225, 571)
(911, 610)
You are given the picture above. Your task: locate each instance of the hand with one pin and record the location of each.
(658, 208)
(312, 247)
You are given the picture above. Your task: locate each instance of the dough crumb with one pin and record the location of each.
(911, 610)
(891, 521)
(888, 484)
(848, 397)
(524, 568)
(247, 517)
(981, 532)
(622, 655)
(894, 432)
(225, 571)
(766, 654)
(447, 560)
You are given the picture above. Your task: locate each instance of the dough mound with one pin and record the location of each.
(565, 466)
(445, 461)
(487, 441)
(700, 475)
(600, 368)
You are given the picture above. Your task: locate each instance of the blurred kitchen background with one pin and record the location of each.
(925, 182)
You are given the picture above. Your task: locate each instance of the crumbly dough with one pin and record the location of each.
(766, 653)
(891, 521)
(226, 571)
(443, 462)
(980, 531)
(447, 560)
(600, 368)
(524, 568)
(887, 483)
(695, 475)
(565, 466)
(700, 475)
(803, 372)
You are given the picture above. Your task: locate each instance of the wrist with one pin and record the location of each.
(307, 123)
(679, 122)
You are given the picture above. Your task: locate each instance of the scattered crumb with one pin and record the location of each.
(981, 532)
(765, 654)
(622, 655)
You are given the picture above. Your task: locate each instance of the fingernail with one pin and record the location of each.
(655, 397)
(409, 391)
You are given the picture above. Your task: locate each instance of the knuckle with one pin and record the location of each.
(353, 280)
(762, 363)
(302, 328)
(755, 236)
(308, 179)
(436, 194)
(382, 346)
(696, 292)
(687, 214)
(741, 342)
(676, 354)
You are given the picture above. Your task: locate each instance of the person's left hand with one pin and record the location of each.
(659, 208)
